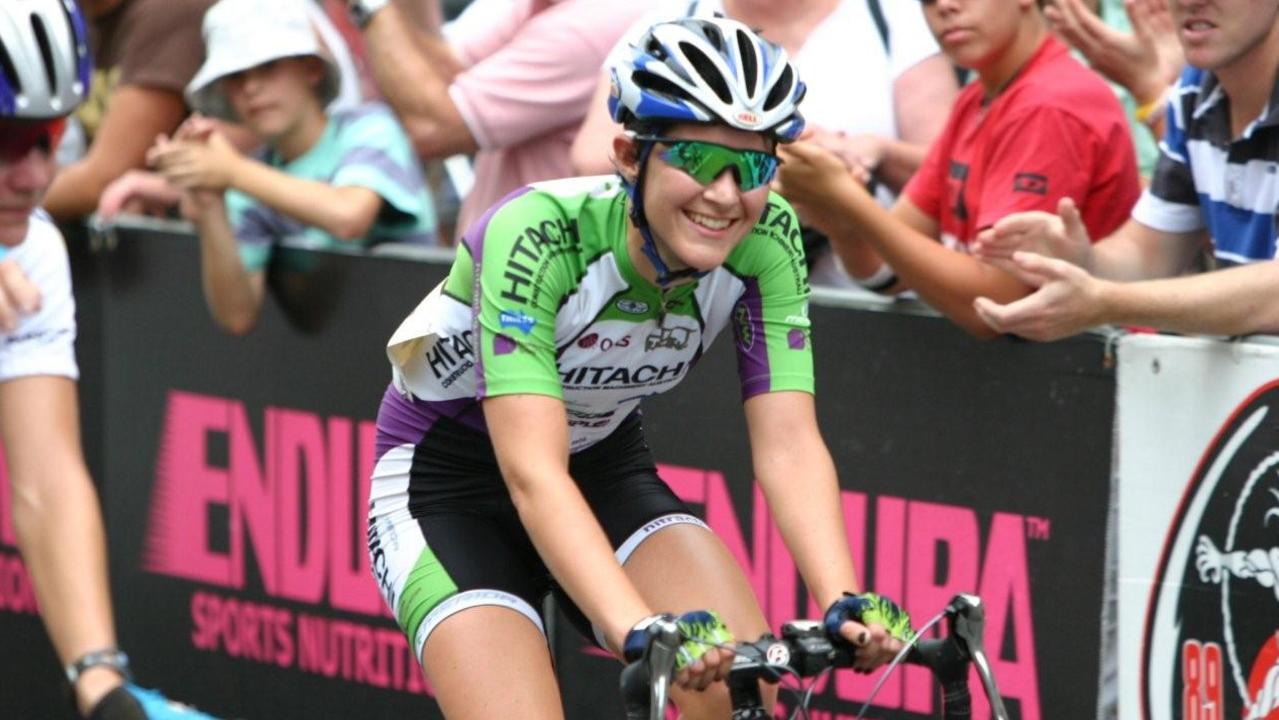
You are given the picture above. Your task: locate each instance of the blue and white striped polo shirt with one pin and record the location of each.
(1205, 178)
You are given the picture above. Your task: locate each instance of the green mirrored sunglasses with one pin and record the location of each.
(704, 161)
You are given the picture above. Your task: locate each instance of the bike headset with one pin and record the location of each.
(700, 70)
(44, 59)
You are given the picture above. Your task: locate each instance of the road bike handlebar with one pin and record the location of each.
(805, 651)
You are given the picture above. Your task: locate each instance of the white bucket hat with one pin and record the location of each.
(241, 34)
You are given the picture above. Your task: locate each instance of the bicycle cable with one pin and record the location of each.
(803, 692)
(901, 655)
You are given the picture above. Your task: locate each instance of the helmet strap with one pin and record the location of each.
(665, 276)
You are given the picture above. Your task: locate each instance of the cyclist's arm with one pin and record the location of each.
(530, 438)
(57, 520)
(797, 474)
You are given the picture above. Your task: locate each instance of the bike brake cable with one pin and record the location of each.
(901, 655)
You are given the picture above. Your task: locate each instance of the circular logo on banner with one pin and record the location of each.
(1211, 642)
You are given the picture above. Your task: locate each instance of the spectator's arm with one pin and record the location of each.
(1237, 301)
(922, 97)
(135, 116)
(346, 212)
(1144, 61)
(945, 279)
(137, 192)
(426, 15)
(414, 71)
(591, 154)
(1138, 252)
(233, 293)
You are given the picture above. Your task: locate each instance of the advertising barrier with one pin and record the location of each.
(1198, 474)
(235, 472)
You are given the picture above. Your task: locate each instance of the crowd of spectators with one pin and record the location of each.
(901, 181)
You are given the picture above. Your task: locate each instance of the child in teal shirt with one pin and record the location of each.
(343, 180)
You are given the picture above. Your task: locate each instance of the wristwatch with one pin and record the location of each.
(362, 11)
(113, 658)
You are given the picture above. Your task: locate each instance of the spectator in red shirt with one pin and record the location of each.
(1034, 127)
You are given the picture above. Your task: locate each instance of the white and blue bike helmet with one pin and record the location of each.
(701, 70)
(44, 59)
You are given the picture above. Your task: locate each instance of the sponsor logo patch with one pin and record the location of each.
(516, 319)
(633, 307)
(670, 338)
(745, 326)
(1030, 183)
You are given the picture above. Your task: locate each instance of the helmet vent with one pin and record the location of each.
(750, 64)
(10, 73)
(706, 69)
(715, 37)
(655, 49)
(46, 51)
(658, 84)
(781, 89)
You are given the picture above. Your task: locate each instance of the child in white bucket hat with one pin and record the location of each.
(349, 178)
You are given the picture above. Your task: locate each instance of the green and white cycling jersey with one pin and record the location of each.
(543, 299)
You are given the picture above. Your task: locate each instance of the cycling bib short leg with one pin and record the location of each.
(444, 535)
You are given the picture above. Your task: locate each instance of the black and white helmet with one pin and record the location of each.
(708, 70)
(44, 58)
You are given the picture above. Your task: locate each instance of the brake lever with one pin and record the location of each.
(661, 664)
(968, 624)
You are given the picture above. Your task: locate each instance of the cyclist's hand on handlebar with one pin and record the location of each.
(871, 626)
(702, 658)
(699, 660)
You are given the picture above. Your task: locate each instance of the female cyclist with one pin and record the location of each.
(511, 454)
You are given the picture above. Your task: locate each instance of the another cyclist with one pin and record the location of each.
(55, 507)
(511, 454)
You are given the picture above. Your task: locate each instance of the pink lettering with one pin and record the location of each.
(300, 508)
(185, 488)
(242, 629)
(923, 554)
(936, 533)
(349, 573)
(357, 653)
(7, 534)
(300, 477)
(1005, 584)
(17, 594)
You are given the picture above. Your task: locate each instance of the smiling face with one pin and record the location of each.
(695, 225)
(272, 98)
(1217, 34)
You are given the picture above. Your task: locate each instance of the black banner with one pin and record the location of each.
(235, 472)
